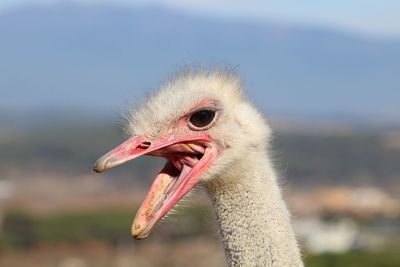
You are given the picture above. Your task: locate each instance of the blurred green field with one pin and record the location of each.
(109, 229)
(22, 230)
(355, 259)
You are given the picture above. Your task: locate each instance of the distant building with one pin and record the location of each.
(319, 236)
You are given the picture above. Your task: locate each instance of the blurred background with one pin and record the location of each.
(326, 74)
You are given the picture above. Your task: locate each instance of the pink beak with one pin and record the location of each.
(188, 157)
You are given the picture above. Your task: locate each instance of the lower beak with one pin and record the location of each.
(187, 159)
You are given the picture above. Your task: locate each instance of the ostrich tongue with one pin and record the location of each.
(187, 159)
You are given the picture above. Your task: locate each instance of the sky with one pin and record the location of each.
(365, 17)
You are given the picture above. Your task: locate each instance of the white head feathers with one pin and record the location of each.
(240, 125)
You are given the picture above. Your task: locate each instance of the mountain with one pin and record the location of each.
(100, 58)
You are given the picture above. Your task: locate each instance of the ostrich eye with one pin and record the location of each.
(202, 118)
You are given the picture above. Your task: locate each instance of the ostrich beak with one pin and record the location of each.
(188, 157)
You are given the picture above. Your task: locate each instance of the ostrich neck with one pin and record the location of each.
(253, 220)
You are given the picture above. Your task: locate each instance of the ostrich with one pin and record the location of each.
(214, 138)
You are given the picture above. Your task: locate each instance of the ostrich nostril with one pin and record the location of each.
(145, 145)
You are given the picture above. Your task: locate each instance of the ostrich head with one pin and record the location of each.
(203, 126)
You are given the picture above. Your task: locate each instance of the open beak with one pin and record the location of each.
(188, 157)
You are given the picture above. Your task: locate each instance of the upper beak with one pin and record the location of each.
(138, 146)
(130, 149)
